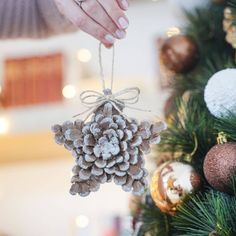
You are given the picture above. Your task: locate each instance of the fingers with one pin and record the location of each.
(103, 19)
(115, 12)
(95, 11)
(77, 16)
(86, 24)
(124, 4)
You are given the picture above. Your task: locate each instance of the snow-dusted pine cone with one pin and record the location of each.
(108, 147)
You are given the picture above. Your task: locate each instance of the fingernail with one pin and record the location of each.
(123, 23)
(110, 38)
(125, 4)
(108, 46)
(120, 34)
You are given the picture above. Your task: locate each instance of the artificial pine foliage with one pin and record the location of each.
(228, 126)
(203, 215)
(192, 127)
(192, 132)
(205, 26)
(232, 4)
(196, 80)
(154, 222)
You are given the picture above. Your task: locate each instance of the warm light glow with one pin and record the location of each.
(84, 55)
(69, 91)
(4, 125)
(82, 221)
(173, 31)
(0, 88)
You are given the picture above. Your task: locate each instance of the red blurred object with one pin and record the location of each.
(34, 80)
(115, 228)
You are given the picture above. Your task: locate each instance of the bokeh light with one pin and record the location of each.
(69, 91)
(82, 221)
(173, 31)
(84, 55)
(4, 125)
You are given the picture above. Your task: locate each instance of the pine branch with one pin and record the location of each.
(228, 126)
(205, 27)
(154, 221)
(215, 53)
(232, 4)
(205, 214)
(196, 80)
(198, 121)
(192, 122)
(210, 212)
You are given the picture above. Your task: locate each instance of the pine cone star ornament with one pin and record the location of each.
(108, 147)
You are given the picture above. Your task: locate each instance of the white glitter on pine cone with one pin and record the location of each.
(220, 93)
(109, 147)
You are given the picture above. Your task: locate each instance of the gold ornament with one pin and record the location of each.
(171, 183)
(229, 27)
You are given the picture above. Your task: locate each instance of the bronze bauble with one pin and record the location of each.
(220, 166)
(179, 53)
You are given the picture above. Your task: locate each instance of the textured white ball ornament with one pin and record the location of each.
(220, 93)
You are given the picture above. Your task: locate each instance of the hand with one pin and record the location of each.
(103, 19)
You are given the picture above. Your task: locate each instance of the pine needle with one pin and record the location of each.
(207, 213)
(154, 221)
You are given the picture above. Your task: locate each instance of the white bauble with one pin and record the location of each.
(220, 93)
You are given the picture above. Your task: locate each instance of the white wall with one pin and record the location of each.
(34, 201)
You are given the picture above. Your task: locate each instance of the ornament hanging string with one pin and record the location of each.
(123, 98)
(101, 67)
(189, 156)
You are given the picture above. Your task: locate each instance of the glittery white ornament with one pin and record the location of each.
(220, 93)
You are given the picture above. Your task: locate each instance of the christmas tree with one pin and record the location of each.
(193, 191)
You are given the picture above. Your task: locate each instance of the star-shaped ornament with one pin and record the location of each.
(108, 147)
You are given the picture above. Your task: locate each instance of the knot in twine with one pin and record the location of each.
(120, 100)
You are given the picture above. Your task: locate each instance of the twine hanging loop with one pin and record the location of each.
(124, 98)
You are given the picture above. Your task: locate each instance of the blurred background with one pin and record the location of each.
(40, 83)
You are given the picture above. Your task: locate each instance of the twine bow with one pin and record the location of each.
(121, 99)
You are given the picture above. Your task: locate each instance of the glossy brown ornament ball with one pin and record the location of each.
(171, 183)
(179, 53)
(220, 166)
